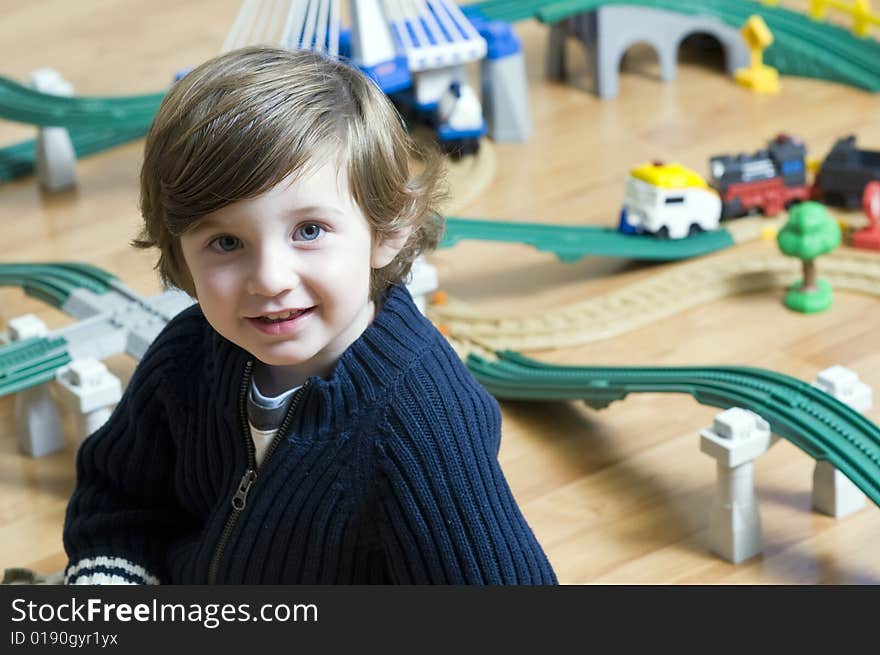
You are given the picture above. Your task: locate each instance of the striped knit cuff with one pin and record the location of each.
(107, 570)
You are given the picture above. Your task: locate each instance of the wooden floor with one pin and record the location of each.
(617, 496)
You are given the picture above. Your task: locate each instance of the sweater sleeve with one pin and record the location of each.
(447, 513)
(122, 512)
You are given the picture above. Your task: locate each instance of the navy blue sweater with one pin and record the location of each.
(387, 472)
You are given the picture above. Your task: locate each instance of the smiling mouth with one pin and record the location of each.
(282, 316)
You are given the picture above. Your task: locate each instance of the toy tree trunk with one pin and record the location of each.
(809, 283)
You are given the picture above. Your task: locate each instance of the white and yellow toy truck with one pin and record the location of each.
(668, 201)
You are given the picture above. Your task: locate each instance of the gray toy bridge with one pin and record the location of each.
(608, 28)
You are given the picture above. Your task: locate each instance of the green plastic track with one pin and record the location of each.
(53, 283)
(814, 421)
(570, 243)
(95, 123)
(19, 159)
(31, 362)
(801, 46)
(21, 104)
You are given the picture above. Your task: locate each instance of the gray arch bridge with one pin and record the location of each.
(801, 46)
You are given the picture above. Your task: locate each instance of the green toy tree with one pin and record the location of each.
(809, 232)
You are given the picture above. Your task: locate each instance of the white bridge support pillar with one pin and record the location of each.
(90, 391)
(835, 494)
(37, 421)
(423, 281)
(56, 158)
(504, 85)
(737, 437)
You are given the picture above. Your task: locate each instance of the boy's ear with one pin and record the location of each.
(387, 247)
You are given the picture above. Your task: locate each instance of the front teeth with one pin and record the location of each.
(279, 317)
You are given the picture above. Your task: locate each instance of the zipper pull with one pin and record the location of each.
(247, 481)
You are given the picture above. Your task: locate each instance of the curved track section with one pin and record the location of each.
(570, 243)
(53, 283)
(19, 159)
(645, 302)
(95, 123)
(801, 46)
(24, 105)
(814, 421)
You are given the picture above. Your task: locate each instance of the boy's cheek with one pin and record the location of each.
(187, 280)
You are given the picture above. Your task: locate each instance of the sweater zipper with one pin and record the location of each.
(239, 498)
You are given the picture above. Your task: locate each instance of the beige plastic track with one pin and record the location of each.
(647, 301)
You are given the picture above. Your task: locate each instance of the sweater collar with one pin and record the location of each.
(362, 377)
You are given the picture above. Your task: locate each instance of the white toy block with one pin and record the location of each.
(88, 389)
(37, 421)
(835, 494)
(735, 439)
(26, 326)
(845, 385)
(56, 158)
(735, 523)
(737, 436)
(423, 280)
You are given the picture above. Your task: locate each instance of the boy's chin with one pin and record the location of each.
(301, 356)
(284, 359)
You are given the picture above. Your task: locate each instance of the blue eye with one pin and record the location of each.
(308, 231)
(225, 243)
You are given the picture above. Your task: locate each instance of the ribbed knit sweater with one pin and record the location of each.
(386, 472)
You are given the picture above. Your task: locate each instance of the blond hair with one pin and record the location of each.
(242, 122)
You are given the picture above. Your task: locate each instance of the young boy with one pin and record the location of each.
(303, 423)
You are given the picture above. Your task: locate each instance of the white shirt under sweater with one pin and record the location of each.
(265, 414)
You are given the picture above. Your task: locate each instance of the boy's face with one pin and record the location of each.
(286, 275)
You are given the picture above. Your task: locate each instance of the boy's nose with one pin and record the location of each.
(271, 275)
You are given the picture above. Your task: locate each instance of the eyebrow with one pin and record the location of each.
(204, 224)
(314, 209)
(208, 223)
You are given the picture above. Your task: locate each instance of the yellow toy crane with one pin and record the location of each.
(759, 77)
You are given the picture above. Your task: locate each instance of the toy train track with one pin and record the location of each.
(24, 105)
(571, 242)
(645, 302)
(111, 319)
(30, 362)
(801, 45)
(53, 283)
(811, 419)
(95, 123)
(19, 159)
(116, 319)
